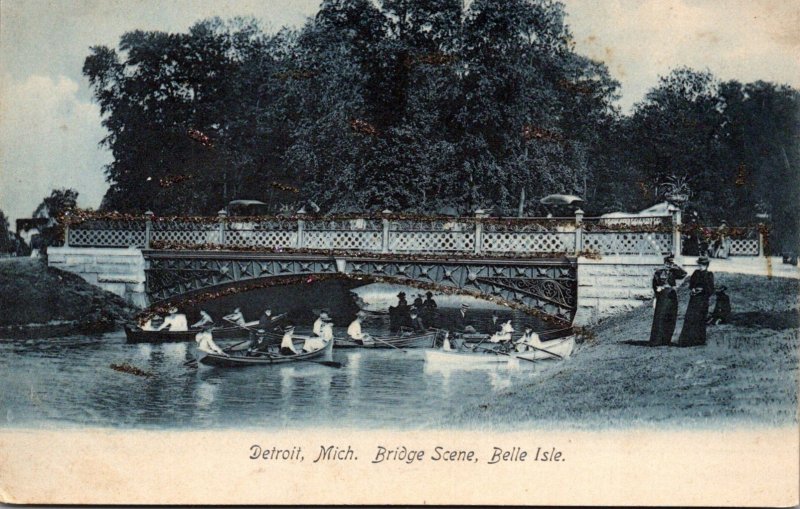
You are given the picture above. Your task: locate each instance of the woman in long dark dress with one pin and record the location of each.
(701, 287)
(666, 310)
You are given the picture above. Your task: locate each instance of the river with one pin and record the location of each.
(68, 382)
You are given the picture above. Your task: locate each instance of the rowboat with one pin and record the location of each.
(555, 350)
(238, 360)
(478, 337)
(418, 340)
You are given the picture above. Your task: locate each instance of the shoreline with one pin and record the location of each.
(746, 373)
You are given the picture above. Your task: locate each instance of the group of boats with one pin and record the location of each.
(436, 344)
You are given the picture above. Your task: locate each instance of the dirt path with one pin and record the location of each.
(747, 372)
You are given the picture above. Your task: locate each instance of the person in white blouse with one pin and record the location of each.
(354, 330)
(287, 345)
(314, 343)
(205, 341)
(175, 321)
(319, 322)
(529, 341)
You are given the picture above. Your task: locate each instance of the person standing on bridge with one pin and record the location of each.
(666, 301)
(701, 288)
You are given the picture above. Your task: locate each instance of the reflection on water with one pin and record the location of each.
(68, 381)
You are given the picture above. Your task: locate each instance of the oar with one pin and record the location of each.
(386, 343)
(330, 364)
(507, 355)
(546, 351)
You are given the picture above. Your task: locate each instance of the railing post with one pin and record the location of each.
(480, 214)
(66, 230)
(676, 232)
(385, 237)
(578, 232)
(760, 240)
(222, 215)
(301, 227)
(148, 228)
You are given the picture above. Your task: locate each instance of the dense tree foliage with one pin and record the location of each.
(6, 237)
(418, 105)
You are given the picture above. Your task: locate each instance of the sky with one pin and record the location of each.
(50, 128)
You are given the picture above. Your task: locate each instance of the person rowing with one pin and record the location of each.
(529, 341)
(175, 321)
(354, 330)
(503, 336)
(260, 344)
(205, 319)
(319, 322)
(205, 341)
(236, 317)
(268, 322)
(287, 345)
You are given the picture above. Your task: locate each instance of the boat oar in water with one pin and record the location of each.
(373, 338)
(497, 352)
(330, 364)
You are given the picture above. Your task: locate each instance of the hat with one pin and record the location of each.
(401, 294)
(668, 257)
(268, 311)
(464, 305)
(703, 260)
(361, 314)
(324, 316)
(429, 294)
(261, 332)
(173, 309)
(288, 328)
(722, 288)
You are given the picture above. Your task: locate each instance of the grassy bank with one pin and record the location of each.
(32, 293)
(747, 372)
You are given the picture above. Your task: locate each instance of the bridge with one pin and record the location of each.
(555, 266)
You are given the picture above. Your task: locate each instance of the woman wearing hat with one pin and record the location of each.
(701, 287)
(666, 304)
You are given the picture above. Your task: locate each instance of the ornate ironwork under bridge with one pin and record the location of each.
(548, 286)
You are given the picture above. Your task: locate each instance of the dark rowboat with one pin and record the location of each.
(239, 360)
(137, 335)
(418, 340)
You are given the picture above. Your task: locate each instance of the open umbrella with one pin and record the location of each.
(561, 199)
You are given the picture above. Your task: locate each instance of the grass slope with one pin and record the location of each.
(748, 371)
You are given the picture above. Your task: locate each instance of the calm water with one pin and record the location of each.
(68, 382)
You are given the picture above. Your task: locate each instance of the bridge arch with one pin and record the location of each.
(541, 286)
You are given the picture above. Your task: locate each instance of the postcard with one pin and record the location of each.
(521, 252)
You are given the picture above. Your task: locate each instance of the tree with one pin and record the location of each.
(6, 237)
(59, 202)
(54, 207)
(678, 131)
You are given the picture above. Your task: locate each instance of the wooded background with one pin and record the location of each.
(414, 106)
